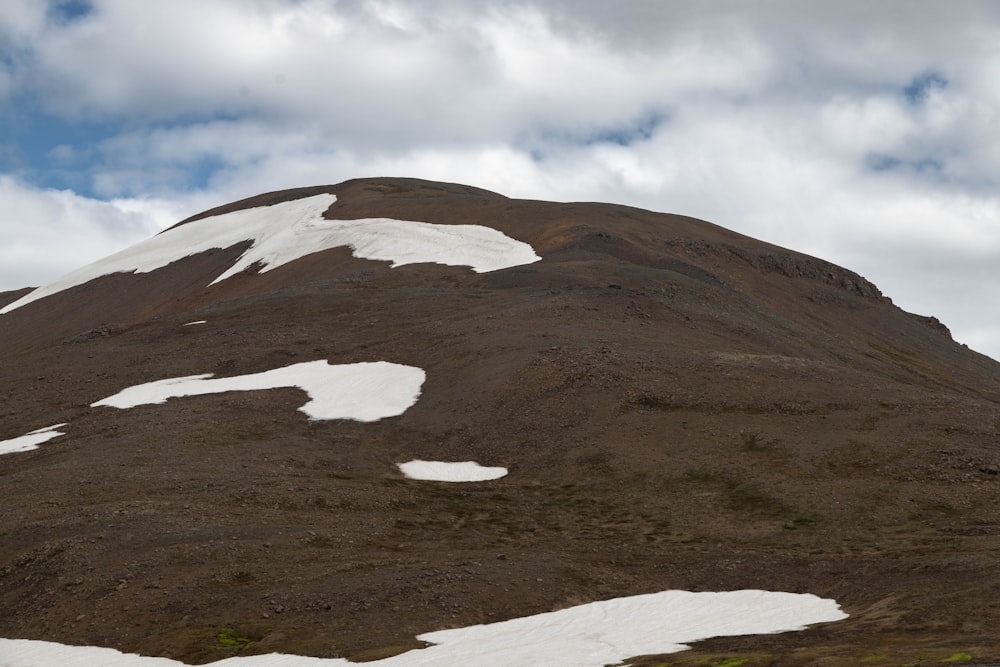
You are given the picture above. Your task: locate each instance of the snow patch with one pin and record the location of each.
(589, 635)
(365, 392)
(191, 324)
(443, 471)
(29, 441)
(284, 232)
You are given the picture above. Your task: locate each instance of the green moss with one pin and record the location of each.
(961, 656)
(227, 640)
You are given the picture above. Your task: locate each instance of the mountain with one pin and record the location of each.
(674, 406)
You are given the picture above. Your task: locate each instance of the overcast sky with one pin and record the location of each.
(865, 133)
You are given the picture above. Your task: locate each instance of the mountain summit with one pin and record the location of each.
(248, 434)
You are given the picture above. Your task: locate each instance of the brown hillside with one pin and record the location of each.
(680, 406)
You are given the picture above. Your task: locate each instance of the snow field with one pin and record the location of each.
(588, 635)
(443, 471)
(366, 391)
(29, 441)
(285, 232)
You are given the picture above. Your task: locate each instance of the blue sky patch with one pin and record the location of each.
(67, 11)
(881, 162)
(641, 129)
(920, 87)
(50, 152)
(201, 172)
(924, 166)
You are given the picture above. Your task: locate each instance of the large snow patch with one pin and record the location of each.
(366, 391)
(284, 232)
(589, 635)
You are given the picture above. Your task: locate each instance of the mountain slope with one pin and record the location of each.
(678, 406)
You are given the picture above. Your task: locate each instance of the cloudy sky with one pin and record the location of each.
(865, 133)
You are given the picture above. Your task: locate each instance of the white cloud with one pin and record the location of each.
(47, 232)
(20, 19)
(375, 74)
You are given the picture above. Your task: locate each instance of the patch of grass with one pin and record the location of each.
(921, 658)
(874, 657)
(961, 656)
(227, 640)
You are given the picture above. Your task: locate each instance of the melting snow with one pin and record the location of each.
(30, 441)
(285, 232)
(366, 391)
(442, 471)
(589, 635)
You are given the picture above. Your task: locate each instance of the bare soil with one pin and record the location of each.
(679, 407)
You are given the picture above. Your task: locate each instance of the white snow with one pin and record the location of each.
(191, 324)
(285, 232)
(29, 441)
(445, 471)
(589, 635)
(600, 633)
(366, 391)
(27, 653)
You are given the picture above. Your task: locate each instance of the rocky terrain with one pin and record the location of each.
(679, 407)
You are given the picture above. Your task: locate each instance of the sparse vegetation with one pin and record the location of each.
(381, 653)
(922, 657)
(802, 518)
(904, 656)
(751, 440)
(227, 640)
(655, 402)
(748, 497)
(698, 660)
